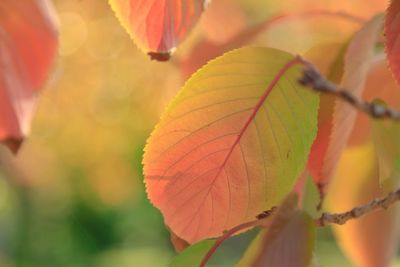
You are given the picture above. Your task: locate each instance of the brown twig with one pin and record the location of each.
(314, 79)
(342, 218)
(325, 219)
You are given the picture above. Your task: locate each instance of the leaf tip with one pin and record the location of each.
(13, 144)
(160, 56)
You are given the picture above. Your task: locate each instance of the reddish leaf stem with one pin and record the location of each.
(226, 236)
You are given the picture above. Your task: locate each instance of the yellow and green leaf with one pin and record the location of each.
(231, 144)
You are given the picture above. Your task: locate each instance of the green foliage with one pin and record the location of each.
(192, 255)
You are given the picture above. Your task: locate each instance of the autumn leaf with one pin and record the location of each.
(288, 241)
(379, 85)
(158, 26)
(386, 139)
(222, 21)
(28, 43)
(329, 59)
(369, 241)
(357, 61)
(365, 8)
(384, 133)
(178, 243)
(207, 47)
(392, 33)
(231, 144)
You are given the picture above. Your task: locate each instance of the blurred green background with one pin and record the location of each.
(74, 195)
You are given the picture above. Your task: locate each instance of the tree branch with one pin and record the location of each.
(342, 218)
(313, 78)
(325, 219)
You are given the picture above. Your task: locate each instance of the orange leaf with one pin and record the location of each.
(328, 59)
(379, 85)
(222, 21)
(178, 243)
(231, 144)
(208, 48)
(369, 241)
(28, 43)
(357, 62)
(158, 26)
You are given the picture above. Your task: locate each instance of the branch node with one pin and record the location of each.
(313, 79)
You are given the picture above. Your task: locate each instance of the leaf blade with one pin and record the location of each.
(372, 239)
(27, 52)
(192, 255)
(385, 136)
(183, 162)
(392, 30)
(288, 240)
(357, 60)
(158, 26)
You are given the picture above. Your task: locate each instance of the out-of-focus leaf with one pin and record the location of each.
(364, 8)
(178, 243)
(311, 198)
(158, 26)
(371, 240)
(208, 48)
(222, 21)
(385, 134)
(192, 255)
(379, 85)
(329, 59)
(387, 144)
(392, 32)
(357, 62)
(231, 144)
(205, 50)
(288, 241)
(252, 251)
(28, 43)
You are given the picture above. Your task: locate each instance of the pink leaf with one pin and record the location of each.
(28, 43)
(392, 32)
(158, 26)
